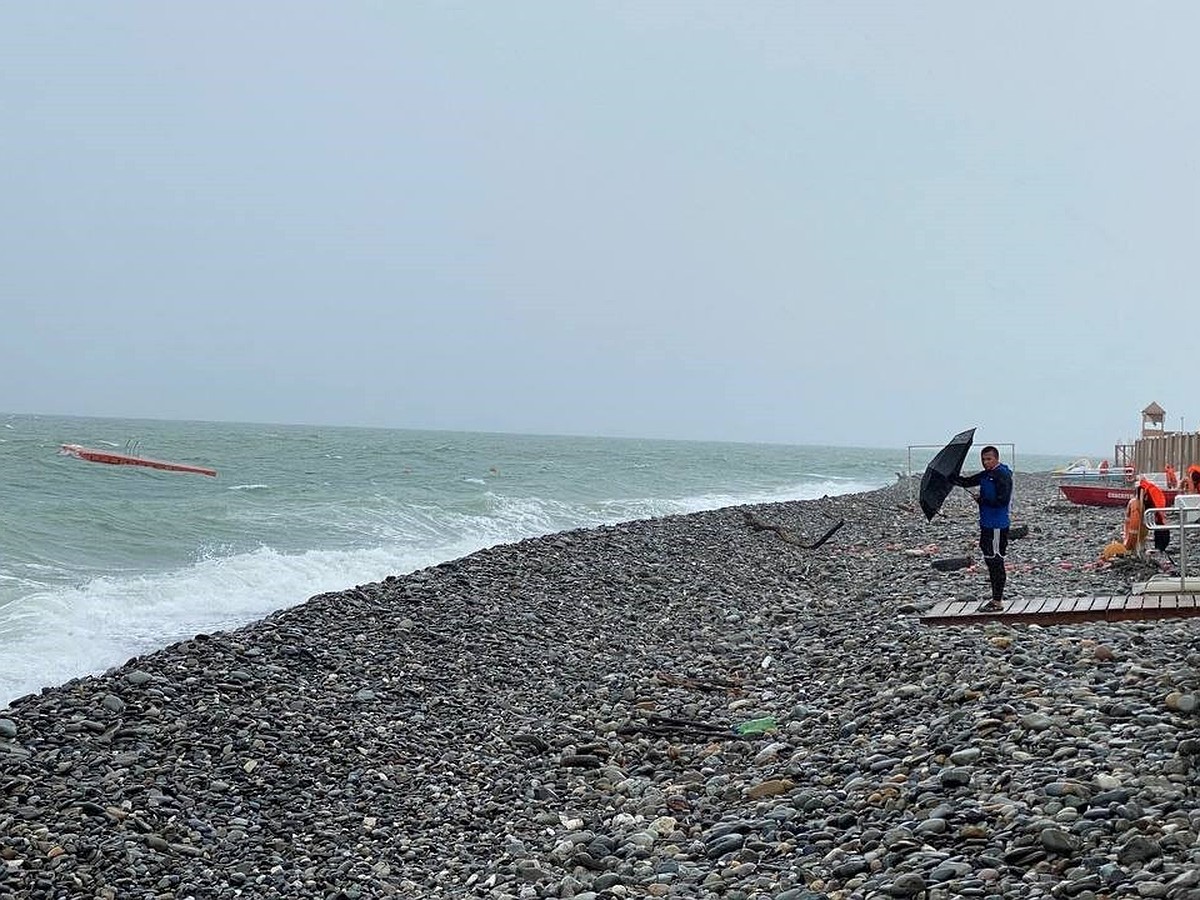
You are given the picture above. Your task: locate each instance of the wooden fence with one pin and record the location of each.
(1180, 449)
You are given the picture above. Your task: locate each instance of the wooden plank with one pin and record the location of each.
(1026, 604)
(1071, 604)
(1100, 604)
(1052, 605)
(1057, 610)
(946, 609)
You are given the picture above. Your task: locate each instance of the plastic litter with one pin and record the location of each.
(757, 726)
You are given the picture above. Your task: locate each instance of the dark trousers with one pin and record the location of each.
(994, 544)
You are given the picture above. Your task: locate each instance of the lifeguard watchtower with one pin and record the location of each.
(1153, 417)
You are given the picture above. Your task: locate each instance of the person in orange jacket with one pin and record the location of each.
(1154, 498)
(1172, 478)
(1192, 477)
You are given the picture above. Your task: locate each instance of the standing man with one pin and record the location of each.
(994, 495)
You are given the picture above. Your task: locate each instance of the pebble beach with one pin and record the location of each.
(682, 707)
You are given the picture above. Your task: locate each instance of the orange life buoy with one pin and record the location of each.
(1135, 527)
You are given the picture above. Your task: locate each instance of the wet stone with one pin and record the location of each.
(907, 885)
(955, 778)
(948, 871)
(1137, 849)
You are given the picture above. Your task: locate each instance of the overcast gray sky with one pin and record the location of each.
(811, 222)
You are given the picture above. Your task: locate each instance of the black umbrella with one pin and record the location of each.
(937, 483)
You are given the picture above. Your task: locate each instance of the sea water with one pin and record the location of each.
(100, 563)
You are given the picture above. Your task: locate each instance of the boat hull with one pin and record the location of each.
(1105, 494)
(125, 459)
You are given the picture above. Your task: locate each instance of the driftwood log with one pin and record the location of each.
(663, 726)
(712, 683)
(952, 564)
(786, 536)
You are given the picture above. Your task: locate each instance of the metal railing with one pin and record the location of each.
(1183, 517)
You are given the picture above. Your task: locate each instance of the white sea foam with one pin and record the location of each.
(51, 636)
(808, 490)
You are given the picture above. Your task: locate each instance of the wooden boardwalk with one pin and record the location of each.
(1060, 610)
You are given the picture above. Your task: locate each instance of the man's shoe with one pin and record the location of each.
(991, 606)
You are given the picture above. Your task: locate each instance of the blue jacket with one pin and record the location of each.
(995, 494)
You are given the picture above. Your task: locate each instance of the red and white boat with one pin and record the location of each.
(128, 459)
(1087, 486)
(1104, 494)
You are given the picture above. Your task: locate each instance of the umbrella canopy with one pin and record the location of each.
(937, 482)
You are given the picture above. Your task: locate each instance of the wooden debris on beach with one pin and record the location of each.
(662, 726)
(733, 686)
(952, 564)
(757, 524)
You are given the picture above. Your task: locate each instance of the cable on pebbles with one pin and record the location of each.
(558, 718)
